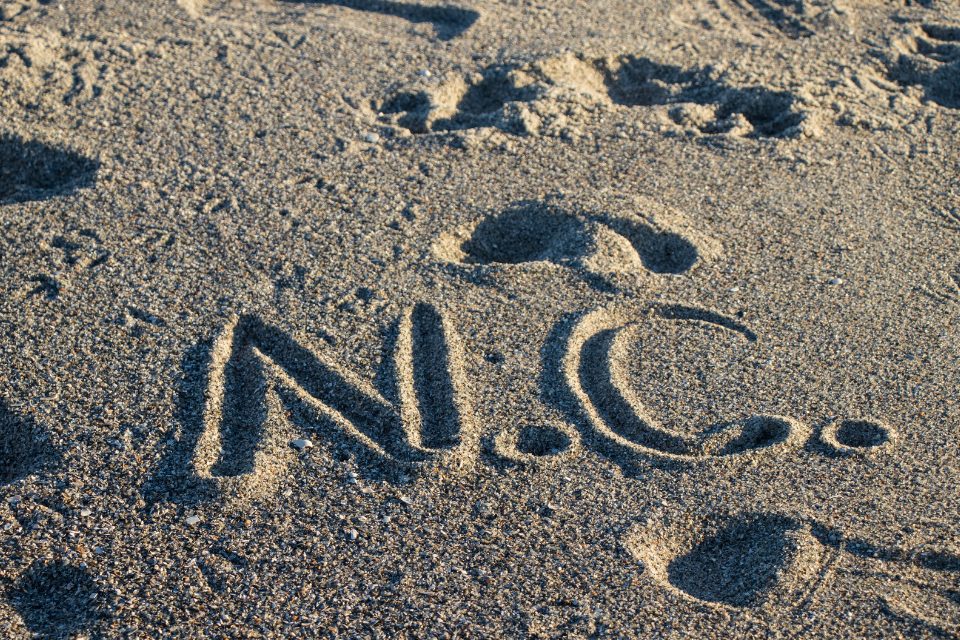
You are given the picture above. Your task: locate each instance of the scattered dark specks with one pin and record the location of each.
(495, 357)
(366, 294)
(47, 286)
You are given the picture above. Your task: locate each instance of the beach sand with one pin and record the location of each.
(502, 319)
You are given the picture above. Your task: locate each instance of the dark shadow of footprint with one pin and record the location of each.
(32, 170)
(21, 450)
(511, 97)
(775, 565)
(932, 62)
(605, 249)
(737, 564)
(448, 21)
(760, 561)
(523, 233)
(637, 81)
(58, 600)
(660, 251)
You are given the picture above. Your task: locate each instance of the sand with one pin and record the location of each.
(602, 319)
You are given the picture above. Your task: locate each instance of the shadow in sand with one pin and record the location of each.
(449, 22)
(644, 82)
(171, 479)
(21, 452)
(32, 170)
(683, 312)
(58, 600)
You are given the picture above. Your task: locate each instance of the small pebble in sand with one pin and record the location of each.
(192, 520)
(301, 444)
(406, 500)
(85, 513)
(352, 534)
(372, 138)
(835, 281)
(482, 510)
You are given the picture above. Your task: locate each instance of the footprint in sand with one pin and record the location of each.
(605, 249)
(931, 59)
(745, 560)
(75, 257)
(775, 565)
(944, 288)
(32, 170)
(20, 446)
(794, 19)
(949, 217)
(58, 600)
(945, 285)
(12, 10)
(42, 70)
(257, 371)
(550, 96)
